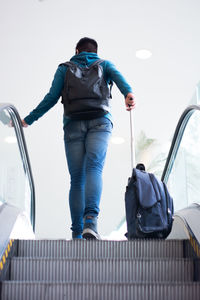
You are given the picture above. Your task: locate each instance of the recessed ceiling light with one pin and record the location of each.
(143, 54)
(117, 140)
(11, 140)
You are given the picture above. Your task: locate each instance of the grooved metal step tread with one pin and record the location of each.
(78, 291)
(102, 270)
(93, 249)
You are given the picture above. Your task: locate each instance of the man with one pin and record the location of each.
(86, 131)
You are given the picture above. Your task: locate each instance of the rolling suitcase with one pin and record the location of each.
(148, 204)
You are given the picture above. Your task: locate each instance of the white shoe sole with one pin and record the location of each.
(90, 234)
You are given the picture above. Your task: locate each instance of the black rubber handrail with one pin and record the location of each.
(179, 131)
(16, 120)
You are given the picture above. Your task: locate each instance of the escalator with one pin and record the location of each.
(107, 270)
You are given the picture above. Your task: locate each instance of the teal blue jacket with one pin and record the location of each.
(82, 59)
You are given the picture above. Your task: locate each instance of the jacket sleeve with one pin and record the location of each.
(111, 73)
(51, 97)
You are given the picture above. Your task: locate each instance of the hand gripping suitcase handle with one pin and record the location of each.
(132, 141)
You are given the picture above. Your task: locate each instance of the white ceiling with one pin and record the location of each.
(37, 35)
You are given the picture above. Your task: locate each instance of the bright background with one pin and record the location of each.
(38, 35)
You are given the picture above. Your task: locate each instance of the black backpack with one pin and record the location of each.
(149, 206)
(86, 94)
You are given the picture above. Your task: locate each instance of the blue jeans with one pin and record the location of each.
(86, 145)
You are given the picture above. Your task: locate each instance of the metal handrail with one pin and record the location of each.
(16, 120)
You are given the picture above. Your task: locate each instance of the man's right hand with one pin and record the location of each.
(130, 101)
(24, 124)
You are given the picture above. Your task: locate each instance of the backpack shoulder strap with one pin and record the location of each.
(71, 63)
(68, 63)
(97, 62)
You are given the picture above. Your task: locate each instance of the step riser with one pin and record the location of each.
(102, 270)
(101, 249)
(138, 291)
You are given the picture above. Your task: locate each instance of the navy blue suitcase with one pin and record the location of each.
(149, 206)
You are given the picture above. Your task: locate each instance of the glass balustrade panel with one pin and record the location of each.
(14, 184)
(184, 179)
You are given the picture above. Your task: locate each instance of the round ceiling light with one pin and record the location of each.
(143, 54)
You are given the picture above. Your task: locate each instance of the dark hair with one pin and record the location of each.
(87, 44)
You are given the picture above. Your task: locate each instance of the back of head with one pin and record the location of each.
(87, 45)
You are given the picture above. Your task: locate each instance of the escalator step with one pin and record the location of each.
(102, 270)
(80, 291)
(101, 249)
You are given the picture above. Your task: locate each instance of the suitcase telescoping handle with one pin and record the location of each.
(132, 141)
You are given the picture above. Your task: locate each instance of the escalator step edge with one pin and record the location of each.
(78, 291)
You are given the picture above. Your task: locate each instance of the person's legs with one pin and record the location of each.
(96, 144)
(74, 137)
(86, 145)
